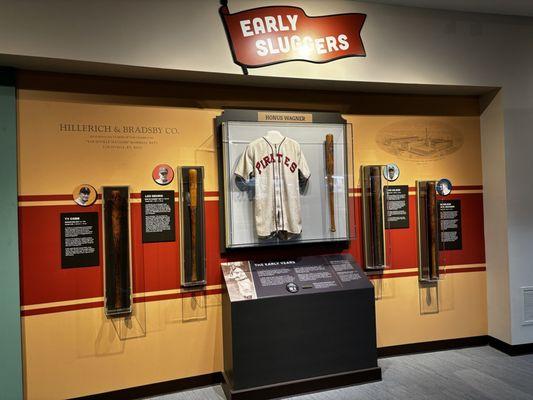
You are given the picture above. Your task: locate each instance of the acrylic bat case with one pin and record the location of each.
(117, 251)
(192, 243)
(285, 183)
(377, 239)
(432, 244)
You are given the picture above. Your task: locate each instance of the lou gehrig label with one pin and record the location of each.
(270, 35)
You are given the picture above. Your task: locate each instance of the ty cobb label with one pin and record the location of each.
(270, 35)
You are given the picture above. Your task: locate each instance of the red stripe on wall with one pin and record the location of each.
(72, 307)
(45, 197)
(42, 278)
(461, 270)
(377, 275)
(170, 296)
(156, 266)
(100, 304)
(58, 197)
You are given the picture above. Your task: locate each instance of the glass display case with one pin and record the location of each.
(192, 243)
(285, 182)
(117, 251)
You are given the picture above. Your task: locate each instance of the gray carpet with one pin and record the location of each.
(465, 374)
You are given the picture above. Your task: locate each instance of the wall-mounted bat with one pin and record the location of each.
(193, 203)
(428, 230)
(330, 170)
(373, 224)
(116, 230)
(433, 231)
(376, 215)
(117, 250)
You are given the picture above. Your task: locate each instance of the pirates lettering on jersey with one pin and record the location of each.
(272, 158)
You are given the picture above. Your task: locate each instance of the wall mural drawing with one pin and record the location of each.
(420, 139)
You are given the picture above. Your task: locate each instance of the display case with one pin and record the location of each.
(117, 251)
(284, 182)
(428, 231)
(374, 222)
(192, 243)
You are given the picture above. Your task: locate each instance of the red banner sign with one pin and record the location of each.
(271, 35)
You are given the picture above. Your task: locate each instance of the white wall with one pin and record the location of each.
(495, 215)
(403, 46)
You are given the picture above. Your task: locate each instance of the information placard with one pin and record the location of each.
(248, 280)
(79, 240)
(158, 217)
(450, 225)
(397, 207)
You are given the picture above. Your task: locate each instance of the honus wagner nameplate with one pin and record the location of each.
(428, 230)
(117, 257)
(373, 216)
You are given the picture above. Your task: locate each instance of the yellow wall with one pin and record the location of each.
(462, 310)
(76, 353)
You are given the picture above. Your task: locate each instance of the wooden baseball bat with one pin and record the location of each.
(116, 230)
(330, 167)
(376, 215)
(193, 195)
(423, 229)
(433, 231)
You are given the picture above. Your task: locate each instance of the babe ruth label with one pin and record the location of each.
(277, 165)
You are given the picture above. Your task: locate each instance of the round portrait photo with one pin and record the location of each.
(163, 174)
(84, 195)
(391, 172)
(444, 187)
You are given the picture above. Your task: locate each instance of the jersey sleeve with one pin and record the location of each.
(245, 166)
(303, 168)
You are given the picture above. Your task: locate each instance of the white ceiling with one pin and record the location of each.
(504, 7)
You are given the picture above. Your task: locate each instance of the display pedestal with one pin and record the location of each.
(302, 386)
(280, 343)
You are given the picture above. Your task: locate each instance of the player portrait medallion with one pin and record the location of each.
(444, 187)
(292, 287)
(391, 172)
(163, 174)
(84, 195)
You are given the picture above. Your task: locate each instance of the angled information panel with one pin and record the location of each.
(247, 280)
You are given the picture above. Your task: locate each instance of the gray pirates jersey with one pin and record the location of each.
(277, 169)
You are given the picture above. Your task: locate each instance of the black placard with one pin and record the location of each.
(248, 280)
(158, 217)
(450, 225)
(79, 240)
(397, 207)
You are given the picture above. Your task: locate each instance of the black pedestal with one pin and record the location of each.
(284, 345)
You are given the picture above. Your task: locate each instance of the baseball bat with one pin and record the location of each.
(423, 229)
(330, 166)
(116, 230)
(377, 215)
(433, 231)
(193, 195)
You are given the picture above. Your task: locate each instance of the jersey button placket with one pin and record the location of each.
(277, 192)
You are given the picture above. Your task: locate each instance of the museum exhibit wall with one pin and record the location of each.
(403, 45)
(71, 348)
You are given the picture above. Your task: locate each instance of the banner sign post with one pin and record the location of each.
(271, 35)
